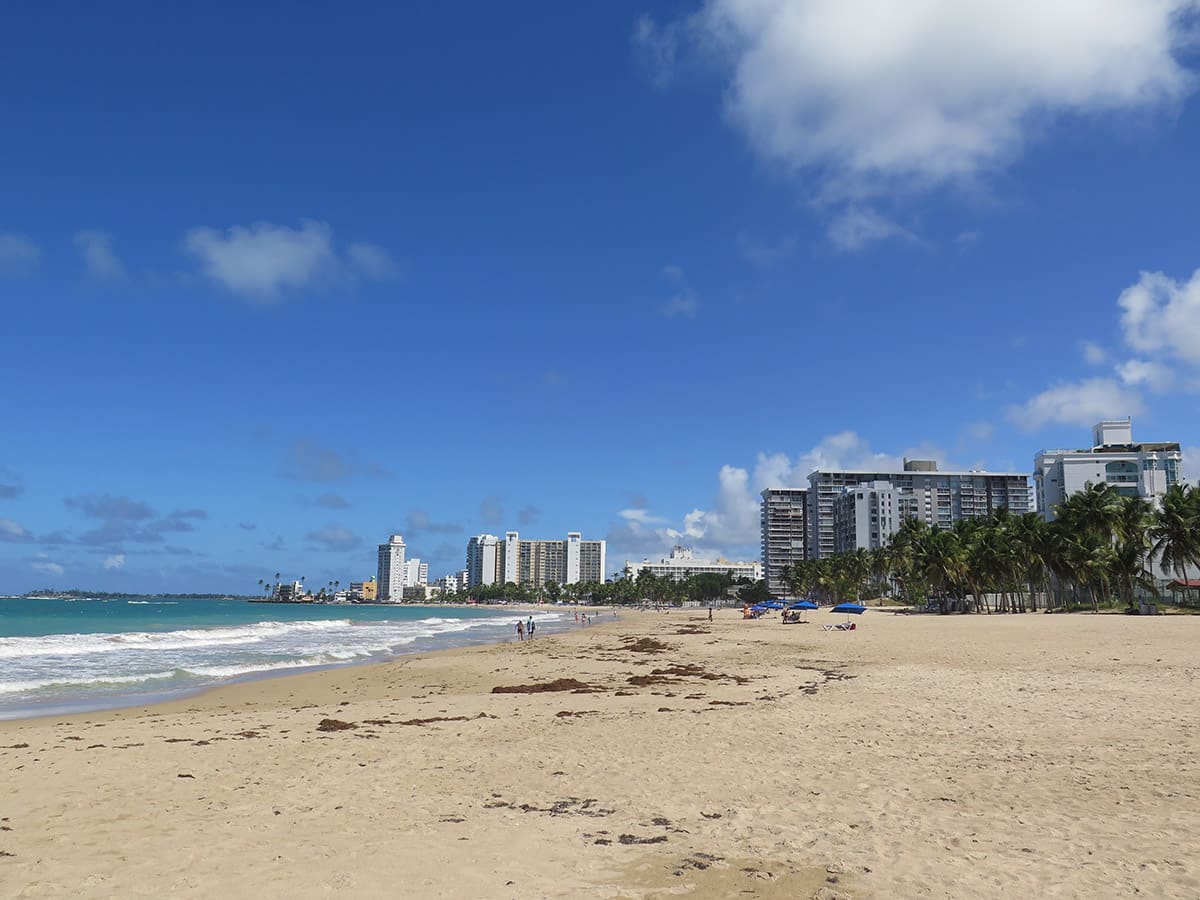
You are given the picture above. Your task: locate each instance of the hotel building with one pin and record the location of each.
(415, 573)
(920, 491)
(867, 515)
(492, 560)
(1143, 470)
(682, 564)
(390, 579)
(784, 521)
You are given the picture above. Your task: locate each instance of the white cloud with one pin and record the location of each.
(876, 95)
(47, 568)
(682, 305)
(1145, 373)
(765, 254)
(1093, 353)
(12, 531)
(260, 260)
(18, 254)
(672, 272)
(1191, 465)
(372, 261)
(641, 516)
(658, 47)
(857, 226)
(96, 248)
(965, 240)
(116, 561)
(1162, 315)
(1079, 403)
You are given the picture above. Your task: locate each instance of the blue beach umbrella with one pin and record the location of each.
(773, 604)
(855, 608)
(804, 604)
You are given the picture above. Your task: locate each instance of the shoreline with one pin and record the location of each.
(80, 704)
(916, 756)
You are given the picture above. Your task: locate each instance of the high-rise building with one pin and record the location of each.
(491, 560)
(922, 492)
(865, 516)
(391, 570)
(483, 560)
(1139, 469)
(784, 534)
(415, 573)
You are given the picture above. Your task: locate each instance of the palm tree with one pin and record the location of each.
(1175, 530)
(1132, 548)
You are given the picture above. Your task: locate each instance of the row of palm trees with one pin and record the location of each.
(1099, 550)
(271, 589)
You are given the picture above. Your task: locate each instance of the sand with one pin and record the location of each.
(922, 756)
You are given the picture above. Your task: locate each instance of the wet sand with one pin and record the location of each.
(923, 756)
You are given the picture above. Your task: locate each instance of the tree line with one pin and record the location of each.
(661, 590)
(1098, 551)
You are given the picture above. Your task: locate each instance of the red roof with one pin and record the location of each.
(1185, 583)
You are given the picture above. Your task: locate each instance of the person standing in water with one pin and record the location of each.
(520, 630)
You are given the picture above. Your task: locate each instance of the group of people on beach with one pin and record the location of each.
(525, 630)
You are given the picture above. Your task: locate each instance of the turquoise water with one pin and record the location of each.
(71, 655)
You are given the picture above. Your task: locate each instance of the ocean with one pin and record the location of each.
(61, 656)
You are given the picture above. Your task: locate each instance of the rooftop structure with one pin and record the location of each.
(683, 564)
(1133, 469)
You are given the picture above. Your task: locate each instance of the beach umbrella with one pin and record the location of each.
(855, 608)
(804, 604)
(758, 607)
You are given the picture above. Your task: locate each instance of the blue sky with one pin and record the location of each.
(278, 281)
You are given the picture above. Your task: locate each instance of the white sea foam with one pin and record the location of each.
(76, 644)
(59, 667)
(18, 687)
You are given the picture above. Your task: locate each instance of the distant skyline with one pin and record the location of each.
(277, 286)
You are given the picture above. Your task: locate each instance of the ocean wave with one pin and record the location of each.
(78, 644)
(249, 668)
(18, 687)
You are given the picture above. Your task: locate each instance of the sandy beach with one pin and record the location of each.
(922, 756)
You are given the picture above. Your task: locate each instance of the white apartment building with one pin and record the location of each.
(491, 560)
(683, 564)
(415, 573)
(391, 570)
(938, 498)
(865, 516)
(1143, 470)
(784, 520)
(447, 583)
(483, 554)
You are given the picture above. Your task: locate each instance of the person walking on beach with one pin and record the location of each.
(520, 630)
(529, 629)
(710, 614)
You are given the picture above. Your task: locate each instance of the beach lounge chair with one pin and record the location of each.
(840, 626)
